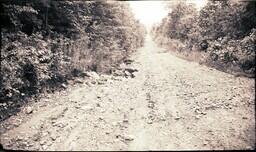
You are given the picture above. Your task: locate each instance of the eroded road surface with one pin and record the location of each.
(170, 104)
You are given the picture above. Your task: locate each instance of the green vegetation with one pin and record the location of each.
(222, 34)
(46, 42)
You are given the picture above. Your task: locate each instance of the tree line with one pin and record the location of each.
(224, 31)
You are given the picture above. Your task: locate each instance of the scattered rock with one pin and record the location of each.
(107, 132)
(249, 148)
(102, 110)
(205, 142)
(127, 74)
(42, 142)
(44, 147)
(93, 82)
(29, 110)
(151, 105)
(36, 137)
(114, 123)
(131, 70)
(63, 85)
(128, 61)
(177, 117)
(110, 81)
(88, 83)
(100, 82)
(126, 120)
(162, 119)
(118, 73)
(79, 81)
(45, 134)
(97, 105)
(128, 137)
(53, 137)
(92, 74)
(203, 112)
(3, 104)
(117, 78)
(197, 116)
(197, 111)
(150, 121)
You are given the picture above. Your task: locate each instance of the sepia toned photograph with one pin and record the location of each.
(112, 75)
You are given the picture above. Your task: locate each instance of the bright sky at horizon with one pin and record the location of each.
(150, 12)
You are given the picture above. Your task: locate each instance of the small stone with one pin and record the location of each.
(163, 119)
(101, 118)
(88, 83)
(93, 82)
(42, 142)
(128, 137)
(197, 111)
(29, 110)
(126, 120)
(63, 86)
(79, 81)
(93, 75)
(151, 105)
(114, 123)
(3, 104)
(98, 105)
(203, 112)
(102, 110)
(249, 148)
(44, 134)
(44, 147)
(149, 121)
(177, 118)
(197, 116)
(126, 73)
(53, 137)
(110, 81)
(244, 118)
(100, 82)
(131, 70)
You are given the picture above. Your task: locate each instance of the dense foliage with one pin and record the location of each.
(223, 30)
(46, 42)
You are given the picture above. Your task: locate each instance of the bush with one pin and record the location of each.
(44, 43)
(225, 30)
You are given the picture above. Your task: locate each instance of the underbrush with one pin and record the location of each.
(46, 43)
(221, 35)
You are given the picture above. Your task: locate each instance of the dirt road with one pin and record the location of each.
(170, 104)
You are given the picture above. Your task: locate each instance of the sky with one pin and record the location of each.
(150, 12)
